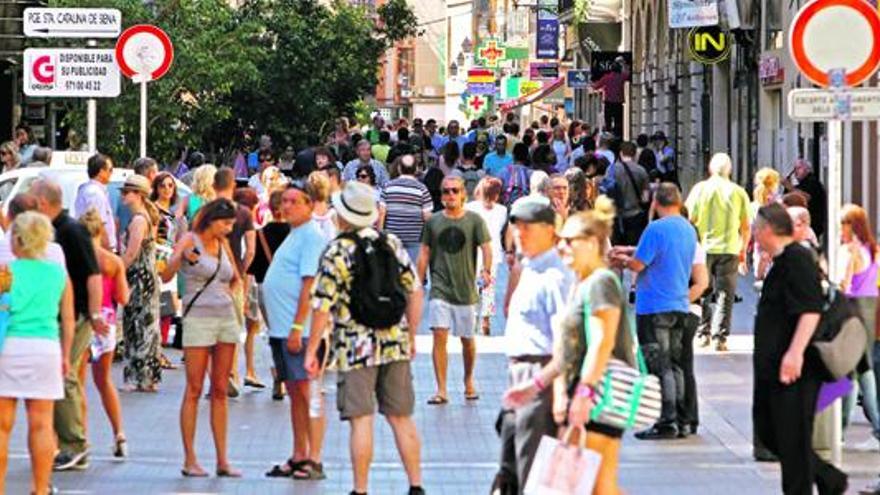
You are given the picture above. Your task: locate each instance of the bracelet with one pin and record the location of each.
(297, 327)
(584, 390)
(539, 383)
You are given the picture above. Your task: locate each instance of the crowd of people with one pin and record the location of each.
(330, 249)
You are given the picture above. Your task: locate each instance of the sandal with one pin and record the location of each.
(310, 470)
(437, 400)
(166, 363)
(228, 472)
(187, 473)
(278, 470)
(472, 396)
(254, 383)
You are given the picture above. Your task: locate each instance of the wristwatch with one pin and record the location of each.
(95, 317)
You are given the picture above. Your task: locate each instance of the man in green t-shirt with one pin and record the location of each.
(720, 210)
(449, 246)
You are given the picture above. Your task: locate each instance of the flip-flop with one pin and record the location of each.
(192, 474)
(228, 473)
(437, 400)
(472, 396)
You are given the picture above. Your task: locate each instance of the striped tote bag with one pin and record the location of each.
(627, 397)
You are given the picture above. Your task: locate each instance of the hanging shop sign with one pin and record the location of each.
(578, 79)
(490, 53)
(692, 13)
(547, 43)
(771, 71)
(543, 71)
(709, 45)
(71, 73)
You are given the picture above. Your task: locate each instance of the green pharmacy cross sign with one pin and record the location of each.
(490, 53)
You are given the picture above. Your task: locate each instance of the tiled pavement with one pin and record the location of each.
(459, 442)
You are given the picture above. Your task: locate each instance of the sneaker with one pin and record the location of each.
(82, 464)
(658, 432)
(869, 445)
(120, 448)
(66, 461)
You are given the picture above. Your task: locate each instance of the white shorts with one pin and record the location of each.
(30, 368)
(460, 320)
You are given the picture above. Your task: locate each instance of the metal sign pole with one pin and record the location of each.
(835, 166)
(144, 117)
(92, 125)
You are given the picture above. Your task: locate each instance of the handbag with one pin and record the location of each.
(840, 339)
(561, 468)
(626, 397)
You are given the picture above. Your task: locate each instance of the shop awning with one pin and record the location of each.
(531, 98)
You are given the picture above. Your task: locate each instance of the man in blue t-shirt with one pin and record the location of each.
(495, 162)
(663, 261)
(285, 295)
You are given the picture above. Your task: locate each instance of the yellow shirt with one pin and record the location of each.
(719, 207)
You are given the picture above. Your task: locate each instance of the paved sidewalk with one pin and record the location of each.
(459, 443)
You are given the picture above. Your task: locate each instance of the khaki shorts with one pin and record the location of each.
(200, 331)
(391, 384)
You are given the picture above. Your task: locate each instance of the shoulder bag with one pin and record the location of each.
(840, 339)
(178, 341)
(626, 397)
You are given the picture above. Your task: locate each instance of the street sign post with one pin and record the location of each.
(834, 43)
(144, 54)
(72, 23)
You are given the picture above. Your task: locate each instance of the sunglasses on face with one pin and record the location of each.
(363, 176)
(167, 185)
(450, 190)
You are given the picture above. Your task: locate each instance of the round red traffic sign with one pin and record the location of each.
(836, 34)
(144, 50)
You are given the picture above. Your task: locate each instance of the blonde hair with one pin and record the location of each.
(12, 148)
(93, 222)
(766, 184)
(203, 182)
(31, 233)
(319, 186)
(271, 178)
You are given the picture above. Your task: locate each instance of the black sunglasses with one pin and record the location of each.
(450, 190)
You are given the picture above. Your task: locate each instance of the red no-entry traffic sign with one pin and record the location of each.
(144, 50)
(836, 34)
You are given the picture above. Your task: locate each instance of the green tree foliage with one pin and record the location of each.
(320, 62)
(214, 52)
(283, 67)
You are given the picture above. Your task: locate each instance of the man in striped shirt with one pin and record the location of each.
(406, 205)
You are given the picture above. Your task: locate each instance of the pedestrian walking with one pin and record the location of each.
(102, 349)
(663, 261)
(598, 296)
(631, 196)
(85, 276)
(93, 194)
(720, 210)
(365, 159)
(207, 264)
(406, 205)
(538, 301)
(486, 204)
(450, 241)
(857, 267)
(140, 319)
(320, 189)
(786, 378)
(372, 362)
(202, 192)
(811, 187)
(169, 230)
(36, 351)
(285, 291)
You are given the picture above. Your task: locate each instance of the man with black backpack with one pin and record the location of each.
(630, 194)
(367, 284)
(450, 241)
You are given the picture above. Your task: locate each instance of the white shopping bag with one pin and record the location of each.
(561, 468)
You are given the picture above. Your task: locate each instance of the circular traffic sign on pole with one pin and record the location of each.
(836, 34)
(145, 52)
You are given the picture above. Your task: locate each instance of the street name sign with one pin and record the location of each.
(72, 23)
(70, 72)
(826, 104)
(833, 34)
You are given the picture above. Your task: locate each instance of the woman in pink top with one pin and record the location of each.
(857, 264)
(102, 349)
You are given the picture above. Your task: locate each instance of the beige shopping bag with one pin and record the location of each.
(562, 467)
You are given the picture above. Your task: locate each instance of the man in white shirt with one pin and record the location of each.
(93, 194)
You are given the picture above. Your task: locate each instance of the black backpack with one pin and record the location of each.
(378, 298)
